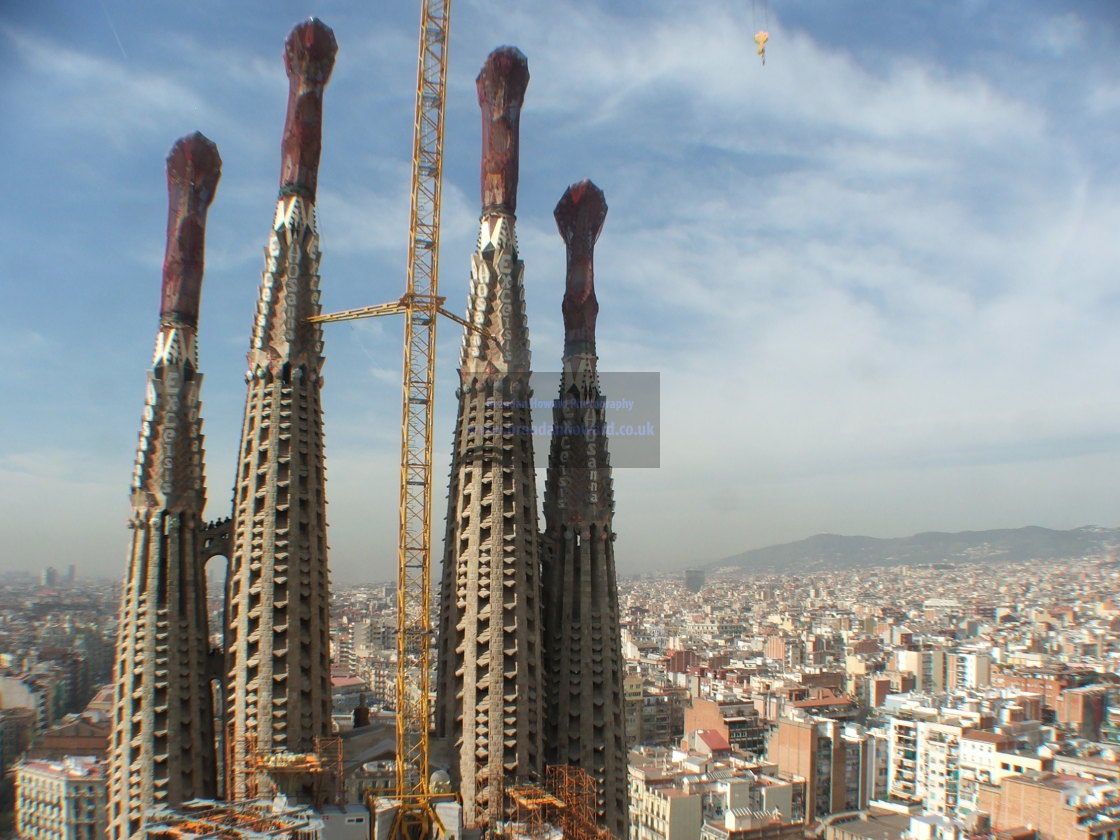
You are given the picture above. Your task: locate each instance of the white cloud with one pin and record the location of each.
(1058, 35)
(102, 96)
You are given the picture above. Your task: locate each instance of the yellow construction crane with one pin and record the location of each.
(421, 305)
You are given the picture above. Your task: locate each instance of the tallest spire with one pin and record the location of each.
(278, 641)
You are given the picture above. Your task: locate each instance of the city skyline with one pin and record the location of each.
(879, 270)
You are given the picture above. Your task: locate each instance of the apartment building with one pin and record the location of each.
(938, 751)
(842, 764)
(929, 667)
(737, 720)
(61, 800)
(632, 707)
(660, 809)
(679, 795)
(969, 669)
(1058, 807)
(986, 758)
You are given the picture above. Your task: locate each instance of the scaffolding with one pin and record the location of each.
(208, 820)
(313, 776)
(564, 807)
(575, 787)
(534, 813)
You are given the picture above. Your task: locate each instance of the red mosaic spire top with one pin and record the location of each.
(501, 91)
(579, 216)
(309, 58)
(193, 170)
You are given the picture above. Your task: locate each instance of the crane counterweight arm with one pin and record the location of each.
(396, 307)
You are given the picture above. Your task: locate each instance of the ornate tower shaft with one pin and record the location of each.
(489, 699)
(582, 642)
(162, 749)
(278, 687)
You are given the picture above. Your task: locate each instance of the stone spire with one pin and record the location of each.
(162, 748)
(582, 643)
(278, 649)
(489, 700)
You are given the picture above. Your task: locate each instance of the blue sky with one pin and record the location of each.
(880, 276)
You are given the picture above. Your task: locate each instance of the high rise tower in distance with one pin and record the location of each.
(489, 694)
(582, 643)
(162, 747)
(278, 650)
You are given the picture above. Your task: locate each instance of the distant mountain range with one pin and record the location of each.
(833, 552)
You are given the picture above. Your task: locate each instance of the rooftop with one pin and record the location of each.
(73, 767)
(986, 737)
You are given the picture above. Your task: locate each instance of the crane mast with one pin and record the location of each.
(421, 309)
(421, 305)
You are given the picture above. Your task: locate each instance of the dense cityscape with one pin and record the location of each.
(926, 701)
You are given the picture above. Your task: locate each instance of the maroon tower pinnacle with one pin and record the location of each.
(309, 58)
(584, 712)
(162, 748)
(278, 634)
(501, 92)
(489, 686)
(193, 170)
(579, 217)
